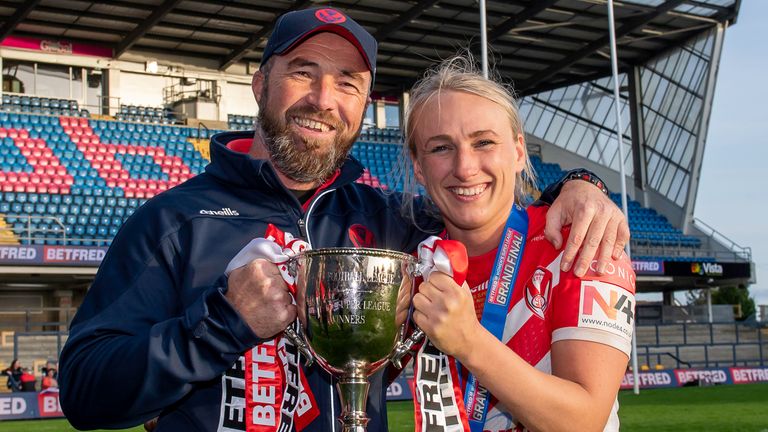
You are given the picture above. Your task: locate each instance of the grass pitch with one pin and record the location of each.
(734, 408)
(729, 408)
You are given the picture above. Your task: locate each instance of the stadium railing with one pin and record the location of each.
(703, 344)
(35, 319)
(37, 228)
(31, 346)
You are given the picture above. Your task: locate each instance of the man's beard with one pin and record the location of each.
(310, 164)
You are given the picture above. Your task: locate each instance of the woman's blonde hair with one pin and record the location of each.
(460, 73)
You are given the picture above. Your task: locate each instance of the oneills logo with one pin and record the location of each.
(223, 212)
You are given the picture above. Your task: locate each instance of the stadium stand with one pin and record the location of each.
(646, 225)
(138, 113)
(385, 135)
(701, 344)
(85, 176)
(240, 122)
(16, 103)
(71, 180)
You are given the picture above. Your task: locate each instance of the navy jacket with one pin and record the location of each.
(155, 334)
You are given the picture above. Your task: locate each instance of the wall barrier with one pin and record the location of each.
(45, 404)
(30, 405)
(400, 389)
(686, 377)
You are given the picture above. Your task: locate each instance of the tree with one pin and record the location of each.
(734, 295)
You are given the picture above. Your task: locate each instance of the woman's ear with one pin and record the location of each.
(417, 172)
(520, 153)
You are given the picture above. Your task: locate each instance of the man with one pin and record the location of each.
(163, 332)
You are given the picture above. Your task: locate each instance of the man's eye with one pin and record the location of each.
(484, 143)
(303, 74)
(350, 86)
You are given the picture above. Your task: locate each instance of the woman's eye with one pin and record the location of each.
(438, 149)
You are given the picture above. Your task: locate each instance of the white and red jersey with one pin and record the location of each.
(548, 305)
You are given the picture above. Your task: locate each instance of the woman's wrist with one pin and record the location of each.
(472, 352)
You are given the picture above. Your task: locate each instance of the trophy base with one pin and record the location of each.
(353, 391)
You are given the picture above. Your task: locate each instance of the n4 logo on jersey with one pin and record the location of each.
(606, 307)
(537, 291)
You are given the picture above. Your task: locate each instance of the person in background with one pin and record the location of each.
(49, 379)
(531, 346)
(189, 345)
(51, 365)
(28, 381)
(14, 372)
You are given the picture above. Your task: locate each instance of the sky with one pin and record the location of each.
(733, 188)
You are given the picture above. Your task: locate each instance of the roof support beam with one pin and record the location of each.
(236, 54)
(526, 14)
(628, 27)
(637, 123)
(701, 134)
(387, 29)
(571, 79)
(143, 28)
(17, 17)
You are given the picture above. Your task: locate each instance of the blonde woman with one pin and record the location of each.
(522, 345)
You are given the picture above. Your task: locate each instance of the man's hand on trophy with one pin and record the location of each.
(259, 293)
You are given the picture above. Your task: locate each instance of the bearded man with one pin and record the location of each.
(163, 332)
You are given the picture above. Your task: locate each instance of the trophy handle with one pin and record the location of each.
(295, 335)
(302, 346)
(403, 346)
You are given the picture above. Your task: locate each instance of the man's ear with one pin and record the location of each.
(257, 85)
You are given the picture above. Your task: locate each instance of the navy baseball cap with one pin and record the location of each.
(295, 27)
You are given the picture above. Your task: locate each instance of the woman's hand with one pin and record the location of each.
(446, 313)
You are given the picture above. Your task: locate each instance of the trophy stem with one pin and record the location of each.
(353, 391)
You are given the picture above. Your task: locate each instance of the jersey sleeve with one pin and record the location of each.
(597, 308)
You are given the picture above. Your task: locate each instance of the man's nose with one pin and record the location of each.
(322, 95)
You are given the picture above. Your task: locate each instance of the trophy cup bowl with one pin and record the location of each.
(352, 303)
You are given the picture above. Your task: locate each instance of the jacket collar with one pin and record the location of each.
(240, 169)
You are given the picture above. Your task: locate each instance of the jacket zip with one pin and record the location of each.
(304, 222)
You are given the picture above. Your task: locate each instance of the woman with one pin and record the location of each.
(549, 347)
(14, 373)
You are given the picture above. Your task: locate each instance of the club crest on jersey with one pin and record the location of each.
(537, 291)
(361, 236)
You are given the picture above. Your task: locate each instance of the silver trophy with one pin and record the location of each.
(353, 304)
